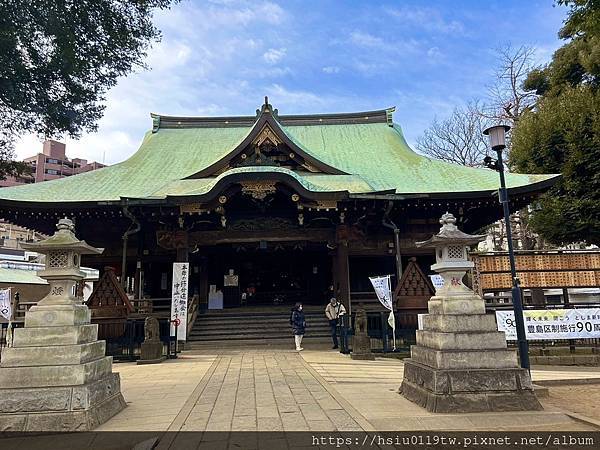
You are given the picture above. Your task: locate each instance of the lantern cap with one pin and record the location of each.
(489, 129)
(450, 234)
(63, 238)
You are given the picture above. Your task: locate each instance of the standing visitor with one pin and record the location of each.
(334, 311)
(298, 323)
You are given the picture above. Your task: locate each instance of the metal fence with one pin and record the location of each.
(380, 333)
(122, 348)
(127, 347)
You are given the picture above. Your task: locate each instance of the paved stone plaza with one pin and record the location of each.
(281, 390)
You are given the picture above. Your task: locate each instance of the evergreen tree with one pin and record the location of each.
(58, 58)
(561, 134)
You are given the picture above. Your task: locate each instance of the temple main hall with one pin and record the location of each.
(270, 208)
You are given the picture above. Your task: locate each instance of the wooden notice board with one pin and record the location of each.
(537, 269)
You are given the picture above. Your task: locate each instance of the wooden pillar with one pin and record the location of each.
(342, 282)
(139, 268)
(183, 254)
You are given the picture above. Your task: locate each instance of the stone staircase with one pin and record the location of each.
(266, 326)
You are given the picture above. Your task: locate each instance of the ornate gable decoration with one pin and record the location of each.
(267, 144)
(269, 149)
(414, 282)
(108, 298)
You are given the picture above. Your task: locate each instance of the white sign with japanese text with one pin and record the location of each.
(179, 300)
(5, 304)
(581, 323)
(383, 289)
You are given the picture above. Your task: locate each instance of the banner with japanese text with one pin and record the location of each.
(5, 304)
(383, 289)
(179, 300)
(581, 323)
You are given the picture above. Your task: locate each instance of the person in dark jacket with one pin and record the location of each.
(298, 323)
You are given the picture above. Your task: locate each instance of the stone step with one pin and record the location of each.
(466, 380)
(57, 316)
(53, 355)
(49, 336)
(47, 376)
(256, 317)
(254, 326)
(464, 359)
(64, 398)
(452, 323)
(476, 340)
(288, 343)
(240, 337)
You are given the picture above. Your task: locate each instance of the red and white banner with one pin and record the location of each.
(179, 300)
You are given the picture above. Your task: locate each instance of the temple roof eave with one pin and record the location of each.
(170, 194)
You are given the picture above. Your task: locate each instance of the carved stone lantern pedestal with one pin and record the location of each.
(56, 377)
(461, 362)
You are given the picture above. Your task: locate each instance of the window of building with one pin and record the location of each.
(51, 172)
(52, 161)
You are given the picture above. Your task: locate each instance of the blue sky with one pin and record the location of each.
(222, 57)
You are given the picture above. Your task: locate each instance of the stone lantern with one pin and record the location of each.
(461, 362)
(451, 249)
(62, 269)
(56, 377)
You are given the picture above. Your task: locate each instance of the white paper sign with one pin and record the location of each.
(383, 289)
(179, 300)
(437, 281)
(5, 304)
(583, 323)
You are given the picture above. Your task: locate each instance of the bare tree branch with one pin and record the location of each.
(508, 100)
(458, 139)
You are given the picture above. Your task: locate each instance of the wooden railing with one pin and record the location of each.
(192, 312)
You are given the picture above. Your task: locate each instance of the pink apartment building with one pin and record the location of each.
(51, 164)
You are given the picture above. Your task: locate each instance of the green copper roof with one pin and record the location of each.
(374, 157)
(19, 276)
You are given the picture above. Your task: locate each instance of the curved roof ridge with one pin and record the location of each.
(373, 116)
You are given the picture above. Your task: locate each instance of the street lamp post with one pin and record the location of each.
(497, 135)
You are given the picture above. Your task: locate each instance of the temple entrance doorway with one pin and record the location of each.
(270, 273)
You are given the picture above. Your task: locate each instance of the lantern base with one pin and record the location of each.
(61, 408)
(468, 391)
(56, 377)
(57, 315)
(461, 362)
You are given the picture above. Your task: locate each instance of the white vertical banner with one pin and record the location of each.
(5, 304)
(383, 289)
(6, 311)
(179, 300)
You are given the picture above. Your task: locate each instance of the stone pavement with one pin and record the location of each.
(267, 391)
(379, 403)
(282, 390)
(156, 393)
